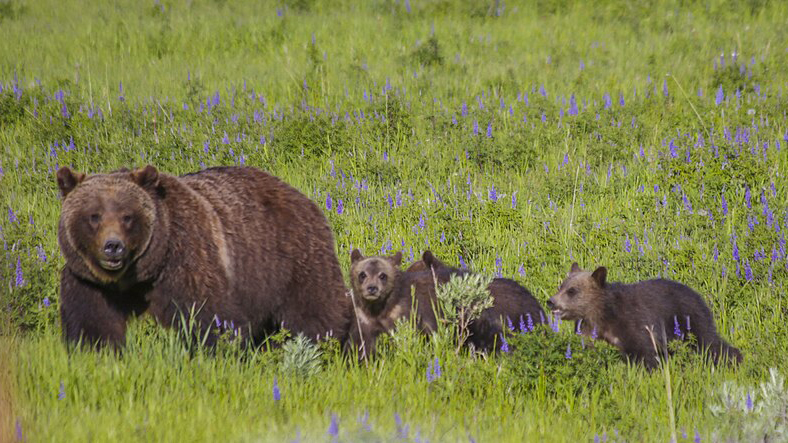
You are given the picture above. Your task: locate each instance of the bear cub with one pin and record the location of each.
(512, 303)
(383, 294)
(620, 314)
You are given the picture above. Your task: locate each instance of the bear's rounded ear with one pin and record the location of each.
(355, 256)
(575, 268)
(396, 259)
(147, 177)
(600, 276)
(67, 179)
(428, 258)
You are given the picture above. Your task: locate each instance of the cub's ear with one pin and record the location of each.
(575, 268)
(428, 258)
(67, 179)
(147, 177)
(600, 276)
(355, 256)
(396, 259)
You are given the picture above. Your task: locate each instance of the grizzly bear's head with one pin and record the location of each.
(373, 278)
(106, 221)
(581, 294)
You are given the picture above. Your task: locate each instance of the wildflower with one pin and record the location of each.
(577, 328)
(748, 197)
(530, 323)
(627, 244)
(594, 334)
(340, 207)
(329, 203)
(46, 302)
(41, 254)
(277, 394)
(724, 206)
(748, 402)
(676, 328)
(748, 271)
(697, 437)
(719, 97)
(437, 368)
(61, 395)
(19, 435)
(522, 326)
(568, 354)
(475, 127)
(489, 130)
(521, 270)
(504, 344)
(333, 427)
(514, 199)
(11, 216)
(687, 204)
(20, 280)
(493, 194)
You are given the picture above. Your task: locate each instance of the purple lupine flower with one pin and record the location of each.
(724, 206)
(333, 427)
(577, 327)
(61, 395)
(504, 344)
(509, 324)
(676, 328)
(11, 216)
(277, 394)
(688, 324)
(46, 302)
(430, 377)
(687, 204)
(522, 326)
(464, 111)
(665, 87)
(530, 323)
(748, 402)
(748, 197)
(566, 159)
(329, 202)
(493, 194)
(462, 262)
(735, 251)
(554, 323)
(521, 270)
(719, 97)
(19, 435)
(514, 199)
(475, 127)
(340, 207)
(672, 146)
(568, 354)
(20, 279)
(489, 130)
(437, 368)
(697, 437)
(594, 333)
(748, 270)
(41, 254)
(627, 244)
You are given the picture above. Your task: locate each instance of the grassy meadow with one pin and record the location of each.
(513, 137)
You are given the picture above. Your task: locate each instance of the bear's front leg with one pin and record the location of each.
(87, 316)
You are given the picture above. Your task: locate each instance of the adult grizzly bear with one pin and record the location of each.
(621, 313)
(512, 303)
(235, 244)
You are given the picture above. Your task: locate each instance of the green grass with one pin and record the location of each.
(582, 187)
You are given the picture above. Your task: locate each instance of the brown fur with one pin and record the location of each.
(620, 313)
(378, 311)
(238, 244)
(511, 302)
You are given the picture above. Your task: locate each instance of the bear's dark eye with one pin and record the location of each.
(127, 219)
(362, 276)
(94, 219)
(571, 292)
(383, 277)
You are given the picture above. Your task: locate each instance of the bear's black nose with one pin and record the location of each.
(550, 303)
(113, 248)
(372, 289)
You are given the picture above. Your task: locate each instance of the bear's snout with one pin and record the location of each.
(372, 289)
(114, 248)
(551, 303)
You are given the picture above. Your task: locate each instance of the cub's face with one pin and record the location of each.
(580, 294)
(373, 278)
(108, 220)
